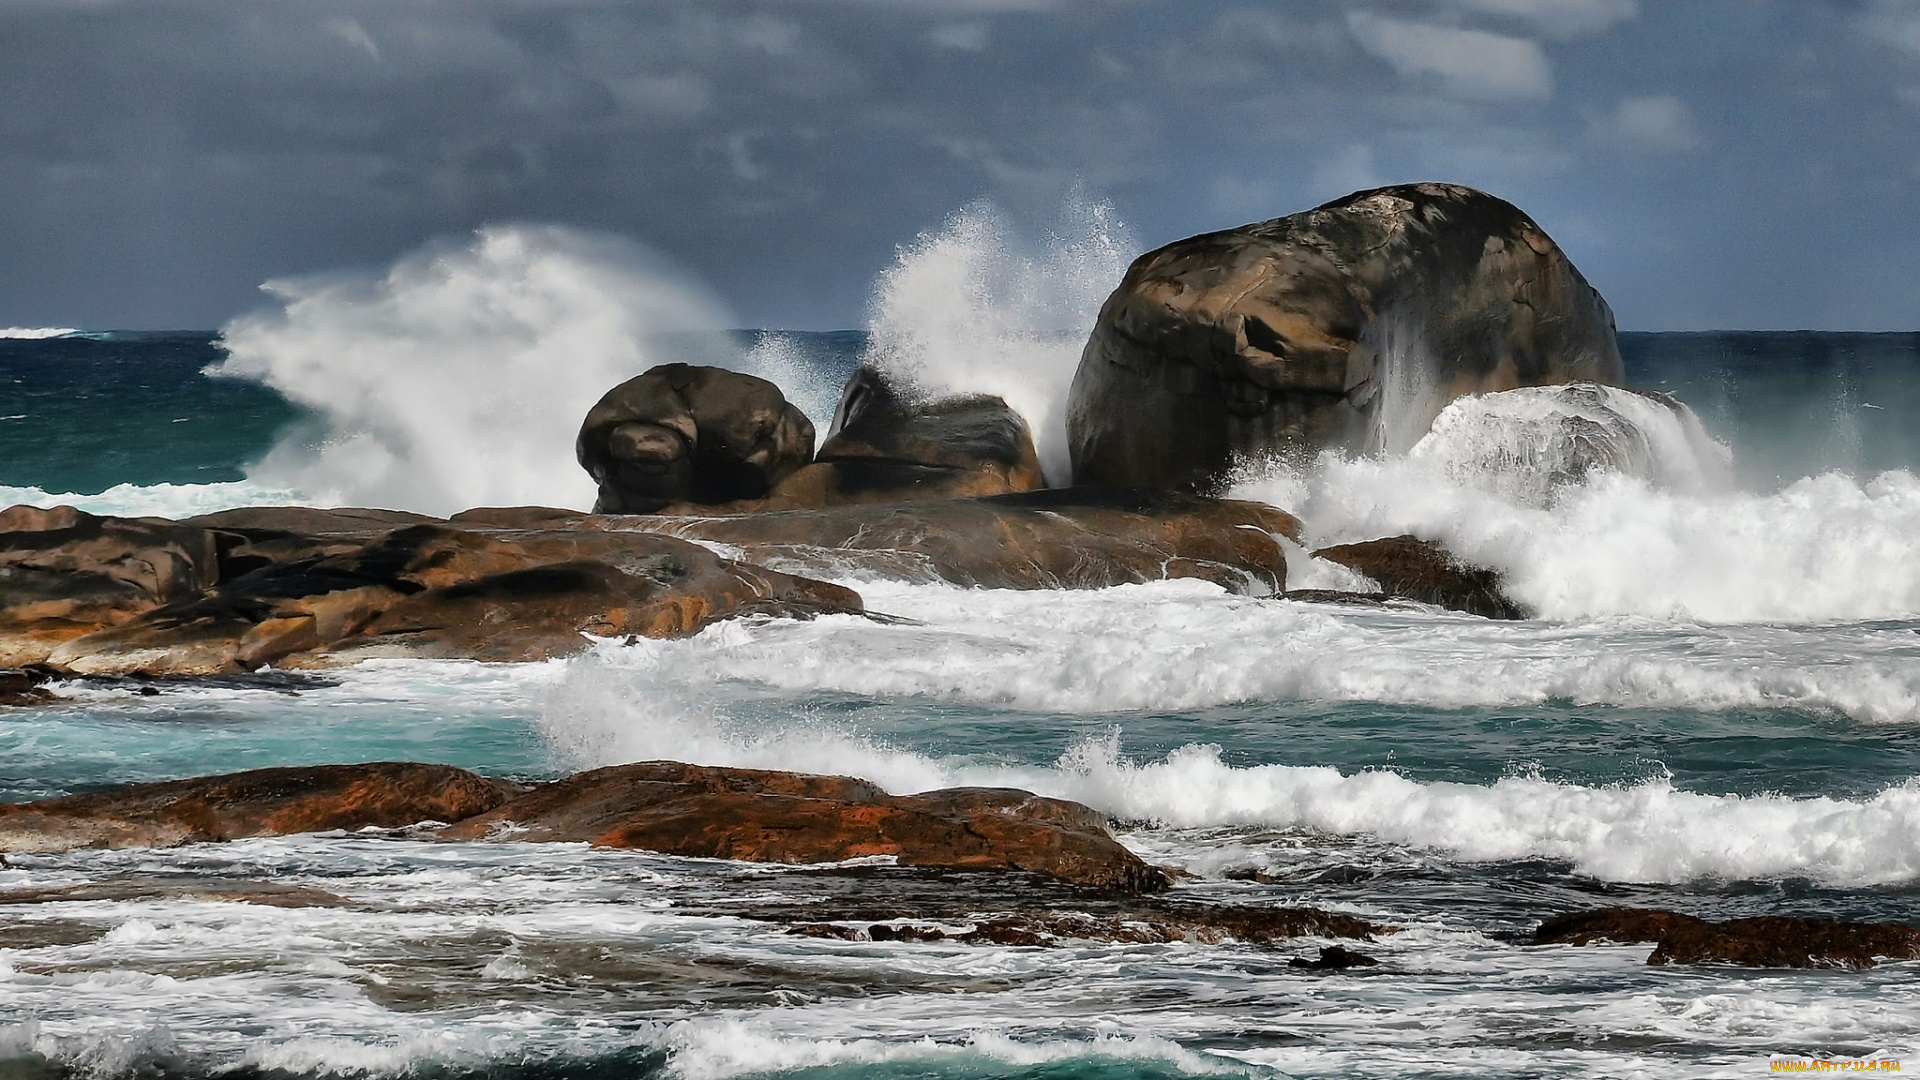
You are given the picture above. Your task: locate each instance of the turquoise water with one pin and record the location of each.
(1717, 712)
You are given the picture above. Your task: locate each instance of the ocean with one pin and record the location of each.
(1715, 711)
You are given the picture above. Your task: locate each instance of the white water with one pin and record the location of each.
(1182, 646)
(459, 376)
(977, 308)
(158, 500)
(1635, 517)
(36, 333)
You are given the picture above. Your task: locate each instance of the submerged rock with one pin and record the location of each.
(1767, 941)
(1064, 538)
(1346, 327)
(686, 434)
(887, 446)
(762, 816)
(262, 802)
(1334, 958)
(1414, 569)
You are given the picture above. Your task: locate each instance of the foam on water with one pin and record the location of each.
(1594, 503)
(459, 377)
(158, 500)
(976, 308)
(1177, 646)
(36, 333)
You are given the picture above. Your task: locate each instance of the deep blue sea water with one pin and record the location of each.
(1718, 711)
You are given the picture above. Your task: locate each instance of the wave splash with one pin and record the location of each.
(646, 703)
(458, 377)
(1596, 502)
(976, 308)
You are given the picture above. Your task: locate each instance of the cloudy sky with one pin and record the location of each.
(1708, 163)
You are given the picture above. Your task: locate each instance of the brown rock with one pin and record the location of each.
(262, 802)
(888, 446)
(440, 592)
(25, 686)
(1768, 941)
(65, 573)
(680, 434)
(1414, 569)
(1345, 327)
(1067, 538)
(761, 816)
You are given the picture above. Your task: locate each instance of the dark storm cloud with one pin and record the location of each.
(1733, 163)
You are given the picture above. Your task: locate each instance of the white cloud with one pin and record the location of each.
(1661, 123)
(1896, 22)
(1469, 63)
(351, 32)
(1561, 18)
(963, 36)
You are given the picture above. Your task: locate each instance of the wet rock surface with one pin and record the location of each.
(1414, 569)
(261, 802)
(685, 434)
(762, 816)
(890, 446)
(1064, 538)
(1765, 941)
(750, 815)
(307, 600)
(1345, 327)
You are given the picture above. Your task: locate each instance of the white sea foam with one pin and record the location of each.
(1176, 647)
(157, 500)
(1620, 506)
(36, 333)
(459, 377)
(1184, 645)
(975, 308)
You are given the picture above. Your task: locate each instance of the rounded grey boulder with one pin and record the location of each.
(1346, 327)
(685, 434)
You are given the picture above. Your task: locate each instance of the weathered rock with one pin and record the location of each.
(1065, 538)
(435, 591)
(1345, 327)
(65, 573)
(762, 816)
(1334, 958)
(262, 802)
(1768, 941)
(887, 446)
(26, 686)
(1414, 569)
(680, 434)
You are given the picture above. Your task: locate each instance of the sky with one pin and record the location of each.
(1708, 164)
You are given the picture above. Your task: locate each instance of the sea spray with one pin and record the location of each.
(459, 377)
(977, 308)
(1593, 502)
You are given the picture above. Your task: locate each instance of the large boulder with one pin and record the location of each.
(888, 445)
(1346, 327)
(261, 802)
(761, 816)
(686, 434)
(1060, 538)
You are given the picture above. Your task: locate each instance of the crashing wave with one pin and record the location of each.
(1528, 444)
